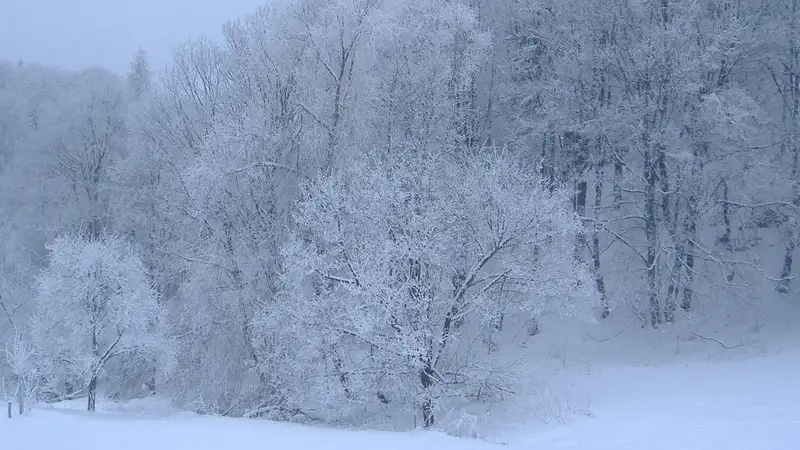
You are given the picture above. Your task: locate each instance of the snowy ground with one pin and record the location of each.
(752, 404)
(62, 429)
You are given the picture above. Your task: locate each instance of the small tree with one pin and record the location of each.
(22, 361)
(94, 302)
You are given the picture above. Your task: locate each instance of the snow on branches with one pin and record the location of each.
(406, 253)
(94, 303)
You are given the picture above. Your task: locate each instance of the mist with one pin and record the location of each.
(80, 33)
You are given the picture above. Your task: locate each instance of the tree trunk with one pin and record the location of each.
(784, 283)
(580, 209)
(671, 221)
(786, 272)
(426, 377)
(544, 171)
(92, 393)
(549, 160)
(598, 202)
(678, 240)
(21, 396)
(338, 364)
(674, 287)
(690, 230)
(726, 218)
(617, 187)
(651, 234)
(677, 263)
(601, 284)
(791, 125)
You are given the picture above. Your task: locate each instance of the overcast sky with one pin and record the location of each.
(74, 34)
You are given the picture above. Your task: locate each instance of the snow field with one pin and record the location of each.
(751, 404)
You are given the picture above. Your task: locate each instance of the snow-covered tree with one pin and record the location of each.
(140, 77)
(396, 261)
(94, 302)
(782, 59)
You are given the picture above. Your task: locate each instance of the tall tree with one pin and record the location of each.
(140, 76)
(784, 70)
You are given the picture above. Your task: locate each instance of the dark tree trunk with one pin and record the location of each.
(578, 146)
(726, 217)
(604, 99)
(338, 364)
(598, 202)
(691, 231)
(651, 235)
(791, 122)
(672, 293)
(786, 271)
(92, 393)
(549, 158)
(675, 283)
(580, 198)
(617, 187)
(544, 171)
(426, 376)
(677, 262)
(580, 209)
(671, 221)
(21, 395)
(601, 284)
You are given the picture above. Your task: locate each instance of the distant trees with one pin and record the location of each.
(92, 136)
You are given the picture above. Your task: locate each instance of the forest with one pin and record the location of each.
(344, 209)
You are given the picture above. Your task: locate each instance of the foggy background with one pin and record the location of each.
(74, 34)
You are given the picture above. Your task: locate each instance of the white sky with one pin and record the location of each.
(74, 34)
